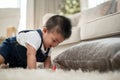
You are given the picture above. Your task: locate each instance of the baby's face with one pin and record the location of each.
(52, 39)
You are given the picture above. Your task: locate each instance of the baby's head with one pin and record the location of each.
(56, 30)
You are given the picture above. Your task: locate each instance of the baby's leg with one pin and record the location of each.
(1, 59)
(2, 65)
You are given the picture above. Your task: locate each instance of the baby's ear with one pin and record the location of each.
(45, 29)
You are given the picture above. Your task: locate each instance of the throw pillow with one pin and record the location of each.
(94, 13)
(112, 8)
(98, 55)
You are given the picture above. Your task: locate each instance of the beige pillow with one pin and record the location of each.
(94, 13)
(101, 55)
(112, 8)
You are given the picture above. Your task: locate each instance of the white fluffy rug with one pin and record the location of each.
(43, 74)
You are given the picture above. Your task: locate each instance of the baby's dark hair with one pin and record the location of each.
(61, 24)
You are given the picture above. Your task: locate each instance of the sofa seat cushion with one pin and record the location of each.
(101, 55)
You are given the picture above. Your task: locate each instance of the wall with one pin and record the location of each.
(8, 17)
(41, 7)
(84, 4)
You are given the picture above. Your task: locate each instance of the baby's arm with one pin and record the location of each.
(47, 62)
(31, 57)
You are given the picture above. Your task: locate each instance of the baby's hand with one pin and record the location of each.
(4, 66)
(54, 68)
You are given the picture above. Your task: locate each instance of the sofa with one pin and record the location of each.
(89, 24)
(93, 27)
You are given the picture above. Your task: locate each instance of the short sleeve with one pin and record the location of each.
(33, 39)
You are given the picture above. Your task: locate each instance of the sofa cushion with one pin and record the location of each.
(101, 55)
(112, 8)
(94, 13)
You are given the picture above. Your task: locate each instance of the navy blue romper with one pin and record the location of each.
(15, 54)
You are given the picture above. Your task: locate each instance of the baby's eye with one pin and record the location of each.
(54, 40)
